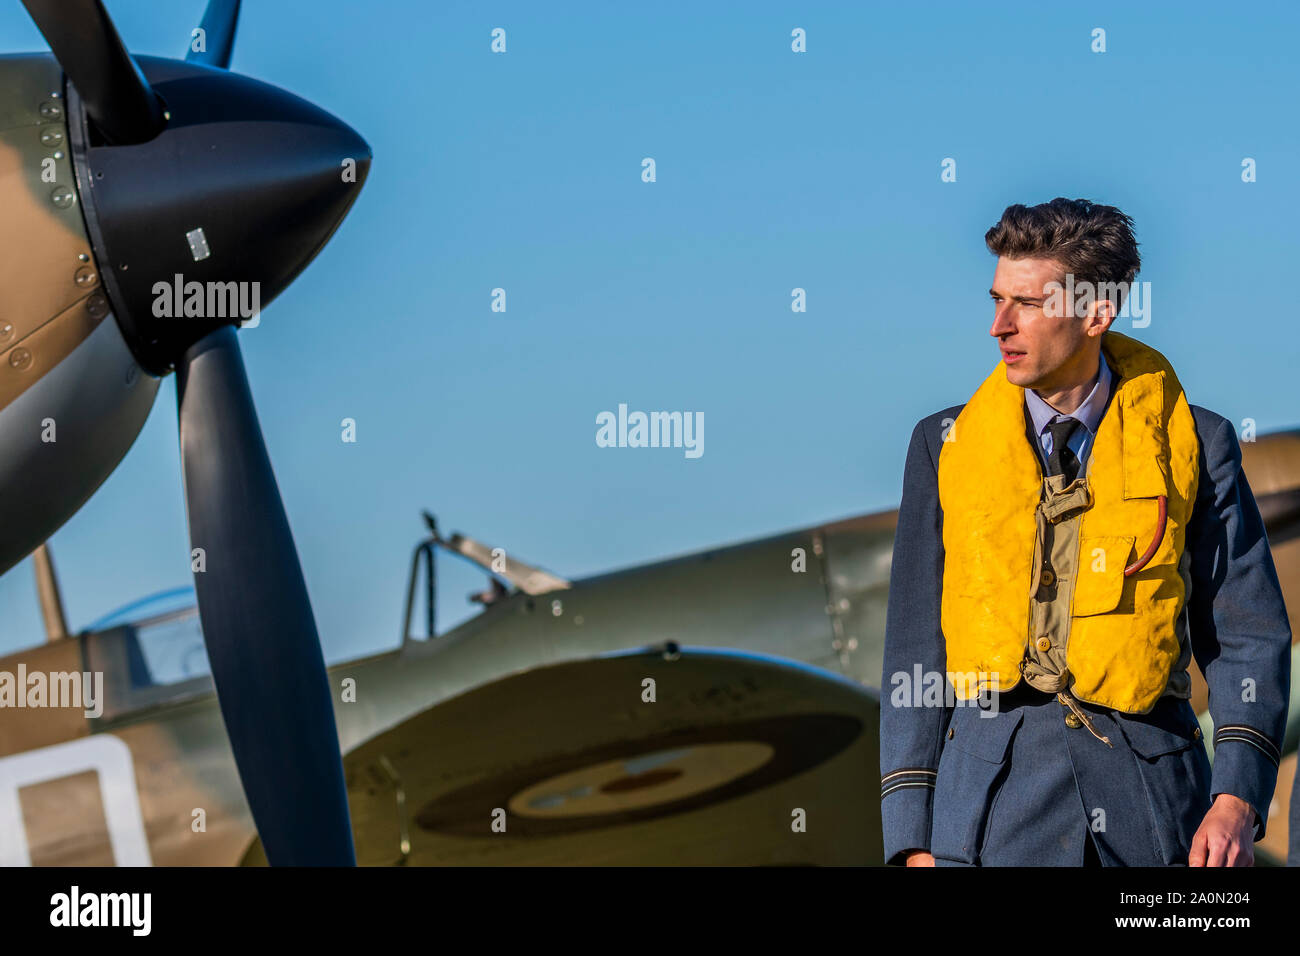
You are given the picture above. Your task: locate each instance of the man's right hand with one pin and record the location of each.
(919, 858)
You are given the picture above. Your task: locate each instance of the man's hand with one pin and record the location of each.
(919, 858)
(1226, 837)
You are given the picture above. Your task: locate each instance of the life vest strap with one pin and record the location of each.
(1062, 505)
(1066, 698)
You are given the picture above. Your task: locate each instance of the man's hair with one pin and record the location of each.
(1092, 241)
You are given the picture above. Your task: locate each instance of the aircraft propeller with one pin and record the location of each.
(184, 167)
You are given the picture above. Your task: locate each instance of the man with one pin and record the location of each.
(1067, 540)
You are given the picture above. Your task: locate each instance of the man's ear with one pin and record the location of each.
(1101, 313)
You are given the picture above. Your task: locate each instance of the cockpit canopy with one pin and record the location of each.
(150, 652)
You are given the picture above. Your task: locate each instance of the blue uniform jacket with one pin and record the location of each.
(1240, 636)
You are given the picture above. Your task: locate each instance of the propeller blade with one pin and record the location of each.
(257, 621)
(218, 26)
(117, 98)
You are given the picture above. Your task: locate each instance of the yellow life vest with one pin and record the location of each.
(1122, 642)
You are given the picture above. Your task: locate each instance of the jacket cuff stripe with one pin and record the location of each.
(1248, 735)
(904, 785)
(908, 771)
(907, 778)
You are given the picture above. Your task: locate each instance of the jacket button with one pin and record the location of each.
(1196, 734)
(950, 733)
(1048, 578)
(1072, 721)
(1044, 644)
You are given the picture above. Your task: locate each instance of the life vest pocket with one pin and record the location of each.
(1099, 583)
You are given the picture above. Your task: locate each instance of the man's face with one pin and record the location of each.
(1041, 349)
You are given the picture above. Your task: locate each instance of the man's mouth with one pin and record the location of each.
(1011, 355)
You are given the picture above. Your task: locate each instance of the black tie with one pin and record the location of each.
(1062, 460)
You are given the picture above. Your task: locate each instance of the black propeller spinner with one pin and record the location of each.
(191, 174)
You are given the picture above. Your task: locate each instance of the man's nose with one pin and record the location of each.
(1002, 324)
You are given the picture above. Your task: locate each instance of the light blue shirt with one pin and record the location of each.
(1088, 413)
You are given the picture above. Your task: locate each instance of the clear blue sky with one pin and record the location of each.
(775, 170)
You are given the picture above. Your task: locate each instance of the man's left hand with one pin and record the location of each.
(1226, 837)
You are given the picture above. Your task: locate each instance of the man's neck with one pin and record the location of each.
(1067, 399)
